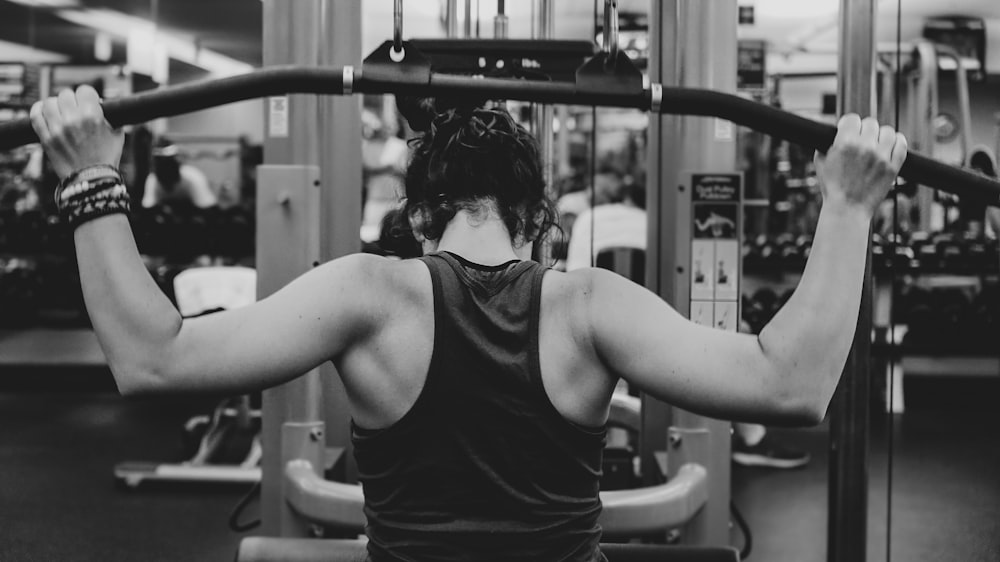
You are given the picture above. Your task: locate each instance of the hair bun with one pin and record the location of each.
(421, 112)
(418, 112)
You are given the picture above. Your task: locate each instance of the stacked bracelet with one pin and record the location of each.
(92, 192)
(83, 189)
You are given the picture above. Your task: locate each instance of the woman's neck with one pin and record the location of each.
(480, 238)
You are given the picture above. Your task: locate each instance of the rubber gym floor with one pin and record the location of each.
(62, 430)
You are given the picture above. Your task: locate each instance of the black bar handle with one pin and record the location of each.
(195, 96)
(917, 169)
(280, 80)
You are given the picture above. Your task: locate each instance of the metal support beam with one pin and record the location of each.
(340, 192)
(294, 208)
(468, 19)
(850, 411)
(451, 18)
(692, 44)
(542, 115)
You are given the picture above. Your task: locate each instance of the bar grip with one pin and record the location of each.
(195, 96)
(281, 80)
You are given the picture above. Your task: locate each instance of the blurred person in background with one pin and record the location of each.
(175, 182)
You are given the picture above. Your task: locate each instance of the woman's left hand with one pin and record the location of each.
(75, 133)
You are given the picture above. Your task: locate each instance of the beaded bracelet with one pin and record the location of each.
(90, 193)
(84, 188)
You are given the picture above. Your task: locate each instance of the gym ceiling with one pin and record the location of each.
(66, 30)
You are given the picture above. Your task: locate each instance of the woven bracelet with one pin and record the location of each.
(113, 200)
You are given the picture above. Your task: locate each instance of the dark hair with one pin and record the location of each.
(395, 238)
(982, 161)
(466, 156)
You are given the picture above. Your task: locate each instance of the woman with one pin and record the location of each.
(479, 382)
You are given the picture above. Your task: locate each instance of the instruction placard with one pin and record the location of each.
(716, 231)
(277, 122)
(751, 74)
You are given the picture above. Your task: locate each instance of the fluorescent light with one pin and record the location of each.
(179, 48)
(121, 25)
(795, 9)
(48, 3)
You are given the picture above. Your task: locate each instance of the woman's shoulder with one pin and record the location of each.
(407, 279)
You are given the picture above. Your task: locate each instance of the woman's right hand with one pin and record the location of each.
(862, 163)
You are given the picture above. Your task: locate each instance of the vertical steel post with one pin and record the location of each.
(341, 187)
(501, 21)
(451, 18)
(692, 44)
(850, 412)
(542, 114)
(294, 222)
(468, 19)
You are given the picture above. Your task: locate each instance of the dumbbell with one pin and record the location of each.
(766, 302)
(770, 256)
(753, 314)
(905, 259)
(752, 262)
(784, 249)
(880, 254)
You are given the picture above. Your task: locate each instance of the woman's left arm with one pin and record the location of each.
(147, 344)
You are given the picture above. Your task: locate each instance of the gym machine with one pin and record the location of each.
(199, 291)
(921, 91)
(301, 224)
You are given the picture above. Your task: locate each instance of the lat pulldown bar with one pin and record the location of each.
(408, 79)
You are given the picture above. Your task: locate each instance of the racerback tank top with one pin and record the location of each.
(482, 467)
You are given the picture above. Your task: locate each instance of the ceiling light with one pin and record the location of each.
(178, 48)
(795, 9)
(48, 3)
(122, 25)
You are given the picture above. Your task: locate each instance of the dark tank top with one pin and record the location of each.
(482, 467)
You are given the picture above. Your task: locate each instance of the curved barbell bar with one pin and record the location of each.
(281, 80)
